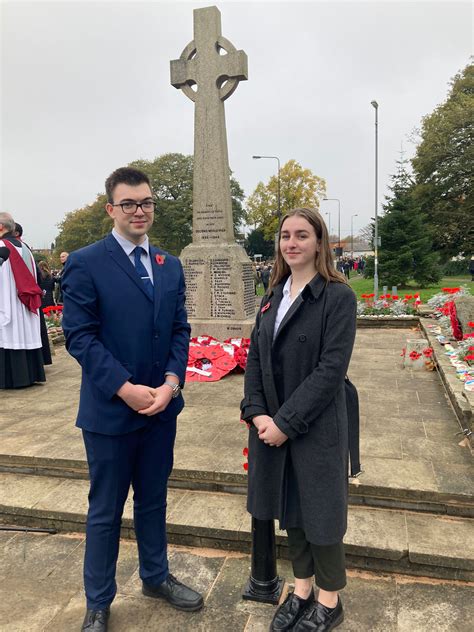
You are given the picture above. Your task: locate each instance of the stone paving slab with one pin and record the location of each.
(412, 543)
(33, 602)
(454, 538)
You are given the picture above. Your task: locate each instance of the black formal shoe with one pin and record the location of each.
(176, 594)
(96, 620)
(290, 612)
(319, 618)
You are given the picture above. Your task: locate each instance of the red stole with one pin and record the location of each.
(28, 290)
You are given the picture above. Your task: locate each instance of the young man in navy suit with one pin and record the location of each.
(125, 322)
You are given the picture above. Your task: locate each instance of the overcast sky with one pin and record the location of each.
(85, 88)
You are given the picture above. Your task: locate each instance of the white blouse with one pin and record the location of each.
(285, 304)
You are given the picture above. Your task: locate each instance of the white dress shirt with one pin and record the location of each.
(285, 304)
(129, 247)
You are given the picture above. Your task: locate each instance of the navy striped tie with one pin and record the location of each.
(142, 271)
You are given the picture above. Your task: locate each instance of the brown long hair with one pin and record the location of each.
(323, 260)
(44, 268)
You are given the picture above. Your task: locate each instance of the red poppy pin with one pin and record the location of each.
(265, 307)
(160, 259)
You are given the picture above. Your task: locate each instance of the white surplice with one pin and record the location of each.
(19, 328)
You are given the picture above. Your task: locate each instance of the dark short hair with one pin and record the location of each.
(18, 229)
(124, 175)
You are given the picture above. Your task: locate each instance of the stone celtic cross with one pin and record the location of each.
(208, 77)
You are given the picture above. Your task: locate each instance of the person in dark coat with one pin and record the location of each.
(46, 283)
(295, 402)
(265, 277)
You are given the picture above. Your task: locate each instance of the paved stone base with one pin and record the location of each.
(41, 579)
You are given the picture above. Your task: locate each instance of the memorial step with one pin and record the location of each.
(377, 539)
(404, 484)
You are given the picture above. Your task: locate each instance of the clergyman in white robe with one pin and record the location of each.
(21, 361)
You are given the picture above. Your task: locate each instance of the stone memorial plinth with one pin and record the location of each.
(220, 293)
(465, 312)
(219, 278)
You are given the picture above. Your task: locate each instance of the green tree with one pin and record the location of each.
(171, 177)
(444, 168)
(256, 244)
(298, 187)
(406, 250)
(82, 227)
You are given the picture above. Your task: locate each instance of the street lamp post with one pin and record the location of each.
(338, 218)
(329, 222)
(278, 196)
(375, 105)
(352, 232)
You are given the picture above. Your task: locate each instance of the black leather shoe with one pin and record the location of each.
(290, 612)
(319, 618)
(176, 594)
(96, 620)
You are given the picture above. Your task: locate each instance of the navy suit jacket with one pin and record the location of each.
(116, 333)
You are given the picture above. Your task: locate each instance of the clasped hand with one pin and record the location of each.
(145, 399)
(268, 431)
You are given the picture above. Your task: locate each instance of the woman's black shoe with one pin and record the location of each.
(319, 618)
(290, 612)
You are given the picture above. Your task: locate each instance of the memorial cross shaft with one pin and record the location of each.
(215, 77)
(220, 291)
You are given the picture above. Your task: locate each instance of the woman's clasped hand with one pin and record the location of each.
(268, 431)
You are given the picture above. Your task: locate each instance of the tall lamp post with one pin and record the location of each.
(352, 232)
(375, 105)
(279, 198)
(338, 218)
(329, 222)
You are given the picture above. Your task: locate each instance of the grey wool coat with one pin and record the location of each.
(298, 379)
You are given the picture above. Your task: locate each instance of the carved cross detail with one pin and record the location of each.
(208, 78)
(201, 63)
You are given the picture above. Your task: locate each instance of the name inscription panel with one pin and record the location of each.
(195, 274)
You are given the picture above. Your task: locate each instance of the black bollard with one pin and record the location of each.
(263, 585)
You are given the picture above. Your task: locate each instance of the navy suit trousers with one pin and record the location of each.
(144, 459)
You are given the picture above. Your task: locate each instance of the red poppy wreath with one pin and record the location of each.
(208, 363)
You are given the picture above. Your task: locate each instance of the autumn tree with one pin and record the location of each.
(298, 187)
(444, 168)
(171, 177)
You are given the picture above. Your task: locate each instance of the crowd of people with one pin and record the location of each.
(262, 272)
(347, 263)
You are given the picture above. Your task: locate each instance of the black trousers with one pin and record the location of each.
(326, 563)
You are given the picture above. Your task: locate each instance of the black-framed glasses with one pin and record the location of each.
(129, 208)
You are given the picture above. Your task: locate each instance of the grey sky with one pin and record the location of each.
(86, 89)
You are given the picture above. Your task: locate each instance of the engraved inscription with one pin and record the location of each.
(249, 289)
(194, 271)
(222, 296)
(206, 217)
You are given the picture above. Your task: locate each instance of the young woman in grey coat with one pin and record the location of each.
(295, 400)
